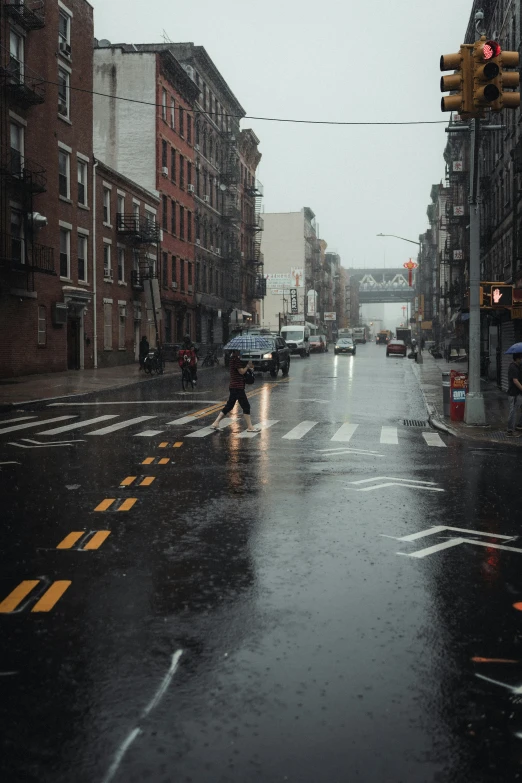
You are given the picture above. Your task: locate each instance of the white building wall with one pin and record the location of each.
(125, 133)
(283, 246)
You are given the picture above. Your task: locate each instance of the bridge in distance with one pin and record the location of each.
(380, 286)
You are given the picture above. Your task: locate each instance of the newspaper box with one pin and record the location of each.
(458, 389)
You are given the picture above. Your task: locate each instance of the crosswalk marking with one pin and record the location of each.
(19, 418)
(148, 433)
(389, 435)
(183, 420)
(77, 425)
(262, 425)
(433, 439)
(34, 424)
(298, 432)
(345, 433)
(205, 431)
(120, 425)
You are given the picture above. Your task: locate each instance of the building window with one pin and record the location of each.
(189, 172)
(164, 105)
(173, 164)
(65, 253)
(189, 274)
(165, 269)
(17, 237)
(181, 171)
(121, 210)
(42, 326)
(174, 276)
(121, 264)
(16, 56)
(64, 169)
(172, 113)
(106, 206)
(121, 330)
(181, 122)
(17, 148)
(63, 93)
(82, 182)
(173, 217)
(164, 203)
(189, 129)
(64, 33)
(168, 326)
(182, 274)
(107, 267)
(164, 163)
(82, 258)
(107, 326)
(198, 267)
(182, 222)
(189, 226)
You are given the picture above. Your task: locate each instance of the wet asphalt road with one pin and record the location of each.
(253, 615)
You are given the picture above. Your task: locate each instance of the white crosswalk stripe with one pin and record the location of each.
(390, 436)
(120, 425)
(77, 425)
(148, 433)
(345, 433)
(262, 425)
(183, 420)
(433, 439)
(27, 425)
(206, 431)
(300, 431)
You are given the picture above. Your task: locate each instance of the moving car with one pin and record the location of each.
(278, 358)
(396, 348)
(345, 345)
(317, 344)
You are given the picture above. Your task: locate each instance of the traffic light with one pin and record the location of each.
(460, 82)
(501, 296)
(490, 79)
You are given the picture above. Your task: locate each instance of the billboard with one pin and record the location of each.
(294, 306)
(312, 302)
(330, 316)
(297, 275)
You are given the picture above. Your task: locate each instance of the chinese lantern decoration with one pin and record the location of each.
(410, 266)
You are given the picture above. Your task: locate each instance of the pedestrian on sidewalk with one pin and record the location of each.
(237, 391)
(144, 350)
(515, 395)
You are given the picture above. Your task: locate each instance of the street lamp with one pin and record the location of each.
(397, 237)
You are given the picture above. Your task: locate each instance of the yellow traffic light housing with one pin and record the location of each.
(490, 79)
(460, 82)
(509, 79)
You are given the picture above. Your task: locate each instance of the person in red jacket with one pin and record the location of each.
(189, 349)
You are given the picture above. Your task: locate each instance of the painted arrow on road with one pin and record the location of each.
(454, 541)
(347, 450)
(35, 444)
(391, 481)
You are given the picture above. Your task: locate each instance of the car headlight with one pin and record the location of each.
(267, 356)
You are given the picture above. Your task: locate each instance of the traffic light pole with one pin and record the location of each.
(475, 412)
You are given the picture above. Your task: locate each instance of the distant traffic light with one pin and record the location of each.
(461, 82)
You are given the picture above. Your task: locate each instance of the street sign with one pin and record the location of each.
(330, 316)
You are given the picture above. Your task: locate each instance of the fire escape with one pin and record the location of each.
(256, 260)
(142, 233)
(20, 178)
(230, 176)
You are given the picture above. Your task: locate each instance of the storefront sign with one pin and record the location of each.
(330, 316)
(294, 306)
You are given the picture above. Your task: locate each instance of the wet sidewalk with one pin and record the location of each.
(496, 402)
(47, 386)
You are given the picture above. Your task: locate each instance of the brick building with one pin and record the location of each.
(45, 170)
(250, 197)
(153, 144)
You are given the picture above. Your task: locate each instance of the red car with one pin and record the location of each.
(396, 348)
(317, 344)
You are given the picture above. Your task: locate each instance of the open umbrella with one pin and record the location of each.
(516, 348)
(252, 343)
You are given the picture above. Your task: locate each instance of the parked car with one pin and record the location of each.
(345, 345)
(396, 348)
(317, 344)
(278, 358)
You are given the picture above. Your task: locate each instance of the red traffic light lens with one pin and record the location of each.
(491, 49)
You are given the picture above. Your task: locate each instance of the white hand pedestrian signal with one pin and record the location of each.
(497, 295)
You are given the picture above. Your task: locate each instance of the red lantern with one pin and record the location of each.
(410, 266)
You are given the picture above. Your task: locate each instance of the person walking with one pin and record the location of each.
(515, 395)
(237, 392)
(144, 350)
(189, 349)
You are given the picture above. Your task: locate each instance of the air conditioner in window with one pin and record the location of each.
(64, 48)
(196, 147)
(198, 165)
(107, 274)
(218, 251)
(173, 285)
(242, 254)
(123, 311)
(165, 171)
(198, 241)
(206, 199)
(190, 289)
(211, 248)
(62, 108)
(59, 314)
(190, 188)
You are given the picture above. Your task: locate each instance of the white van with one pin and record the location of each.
(297, 337)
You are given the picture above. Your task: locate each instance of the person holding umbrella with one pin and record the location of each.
(238, 370)
(515, 390)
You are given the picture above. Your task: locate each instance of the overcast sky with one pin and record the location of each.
(331, 60)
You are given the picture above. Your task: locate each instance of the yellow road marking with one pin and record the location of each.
(105, 504)
(164, 461)
(70, 540)
(148, 461)
(163, 445)
(147, 481)
(97, 540)
(51, 596)
(127, 504)
(128, 481)
(17, 595)
(177, 445)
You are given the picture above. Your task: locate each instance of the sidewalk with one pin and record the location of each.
(429, 374)
(36, 388)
